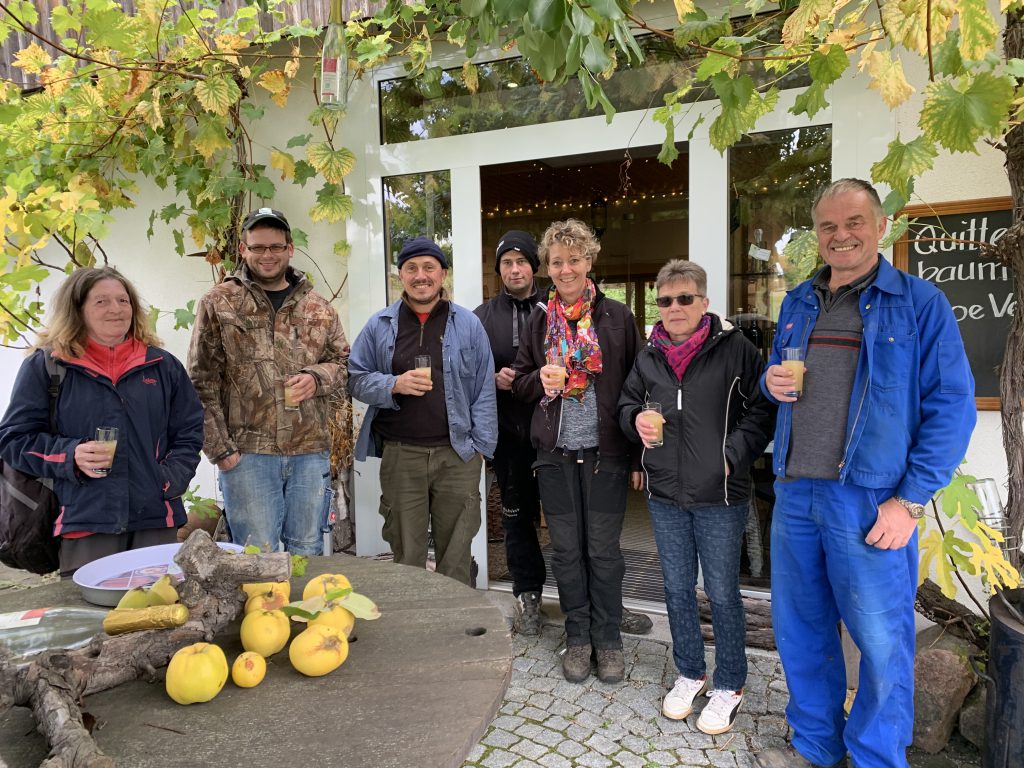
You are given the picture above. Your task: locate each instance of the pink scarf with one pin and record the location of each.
(679, 356)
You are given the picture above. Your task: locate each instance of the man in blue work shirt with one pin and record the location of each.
(884, 418)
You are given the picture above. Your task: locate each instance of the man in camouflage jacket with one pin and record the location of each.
(262, 331)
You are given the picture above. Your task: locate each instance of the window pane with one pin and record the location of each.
(509, 93)
(417, 204)
(773, 178)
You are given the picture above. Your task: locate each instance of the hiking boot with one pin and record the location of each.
(635, 623)
(787, 757)
(611, 665)
(720, 712)
(528, 621)
(678, 704)
(576, 663)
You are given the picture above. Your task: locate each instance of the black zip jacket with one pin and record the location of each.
(717, 414)
(504, 319)
(620, 341)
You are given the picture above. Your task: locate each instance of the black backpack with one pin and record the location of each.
(28, 505)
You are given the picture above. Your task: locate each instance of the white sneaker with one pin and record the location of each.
(678, 704)
(720, 712)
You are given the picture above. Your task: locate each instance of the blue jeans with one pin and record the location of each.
(714, 535)
(822, 571)
(270, 500)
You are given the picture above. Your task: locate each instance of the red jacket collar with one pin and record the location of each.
(112, 362)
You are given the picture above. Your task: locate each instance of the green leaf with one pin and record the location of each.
(946, 57)
(299, 141)
(360, 606)
(509, 10)
(332, 206)
(895, 201)
(211, 136)
(896, 231)
(609, 9)
(299, 563)
(170, 212)
(183, 318)
(697, 26)
(473, 8)
(179, 242)
(251, 111)
(303, 172)
(903, 162)
(581, 22)
(547, 15)
(956, 116)
(714, 63)
(595, 58)
(810, 101)
(332, 164)
(827, 68)
(299, 237)
(978, 29)
(63, 21)
(217, 94)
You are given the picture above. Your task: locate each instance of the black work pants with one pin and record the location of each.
(584, 497)
(520, 512)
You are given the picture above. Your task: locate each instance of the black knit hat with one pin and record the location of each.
(421, 246)
(517, 240)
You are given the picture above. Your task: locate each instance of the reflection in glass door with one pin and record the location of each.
(417, 204)
(773, 178)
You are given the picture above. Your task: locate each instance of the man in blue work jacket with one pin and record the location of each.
(883, 420)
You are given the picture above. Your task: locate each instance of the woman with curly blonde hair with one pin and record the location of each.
(572, 362)
(113, 376)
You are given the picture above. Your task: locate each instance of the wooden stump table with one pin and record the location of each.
(419, 688)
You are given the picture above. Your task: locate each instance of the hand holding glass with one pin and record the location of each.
(290, 403)
(651, 415)
(553, 375)
(107, 436)
(422, 366)
(793, 361)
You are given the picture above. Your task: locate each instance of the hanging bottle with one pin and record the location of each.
(334, 62)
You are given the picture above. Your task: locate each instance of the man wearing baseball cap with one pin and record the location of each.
(432, 420)
(267, 354)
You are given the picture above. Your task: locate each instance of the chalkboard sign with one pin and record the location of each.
(942, 247)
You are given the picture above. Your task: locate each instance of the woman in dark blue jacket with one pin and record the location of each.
(115, 375)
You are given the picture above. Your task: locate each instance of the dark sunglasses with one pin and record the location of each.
(683, 300)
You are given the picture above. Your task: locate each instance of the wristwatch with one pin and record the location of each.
(916, 510)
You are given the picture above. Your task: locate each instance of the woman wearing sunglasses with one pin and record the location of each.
(704, 374)
(572, 362)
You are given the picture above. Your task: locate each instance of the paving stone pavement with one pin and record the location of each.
(546, 721)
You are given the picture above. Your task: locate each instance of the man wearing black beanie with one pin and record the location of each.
(504, 318)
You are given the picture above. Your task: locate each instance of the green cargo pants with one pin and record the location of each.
(433, 487)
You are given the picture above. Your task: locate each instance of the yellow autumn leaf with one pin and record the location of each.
(284, 163)
(888, 78)
(273, 80)
(291, 68)
(906, 21)
(54, 81)
(845, 35)
(805, 19)
(149, 111)
(32, 59)
(683, 8)
(140, 80)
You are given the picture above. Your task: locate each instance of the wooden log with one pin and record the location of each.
(956, 618)
(53, 682)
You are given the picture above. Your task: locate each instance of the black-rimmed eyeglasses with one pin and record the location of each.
(259, 250)
(683, 300)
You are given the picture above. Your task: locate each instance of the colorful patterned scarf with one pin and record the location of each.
(581, 352)
(680, 355)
